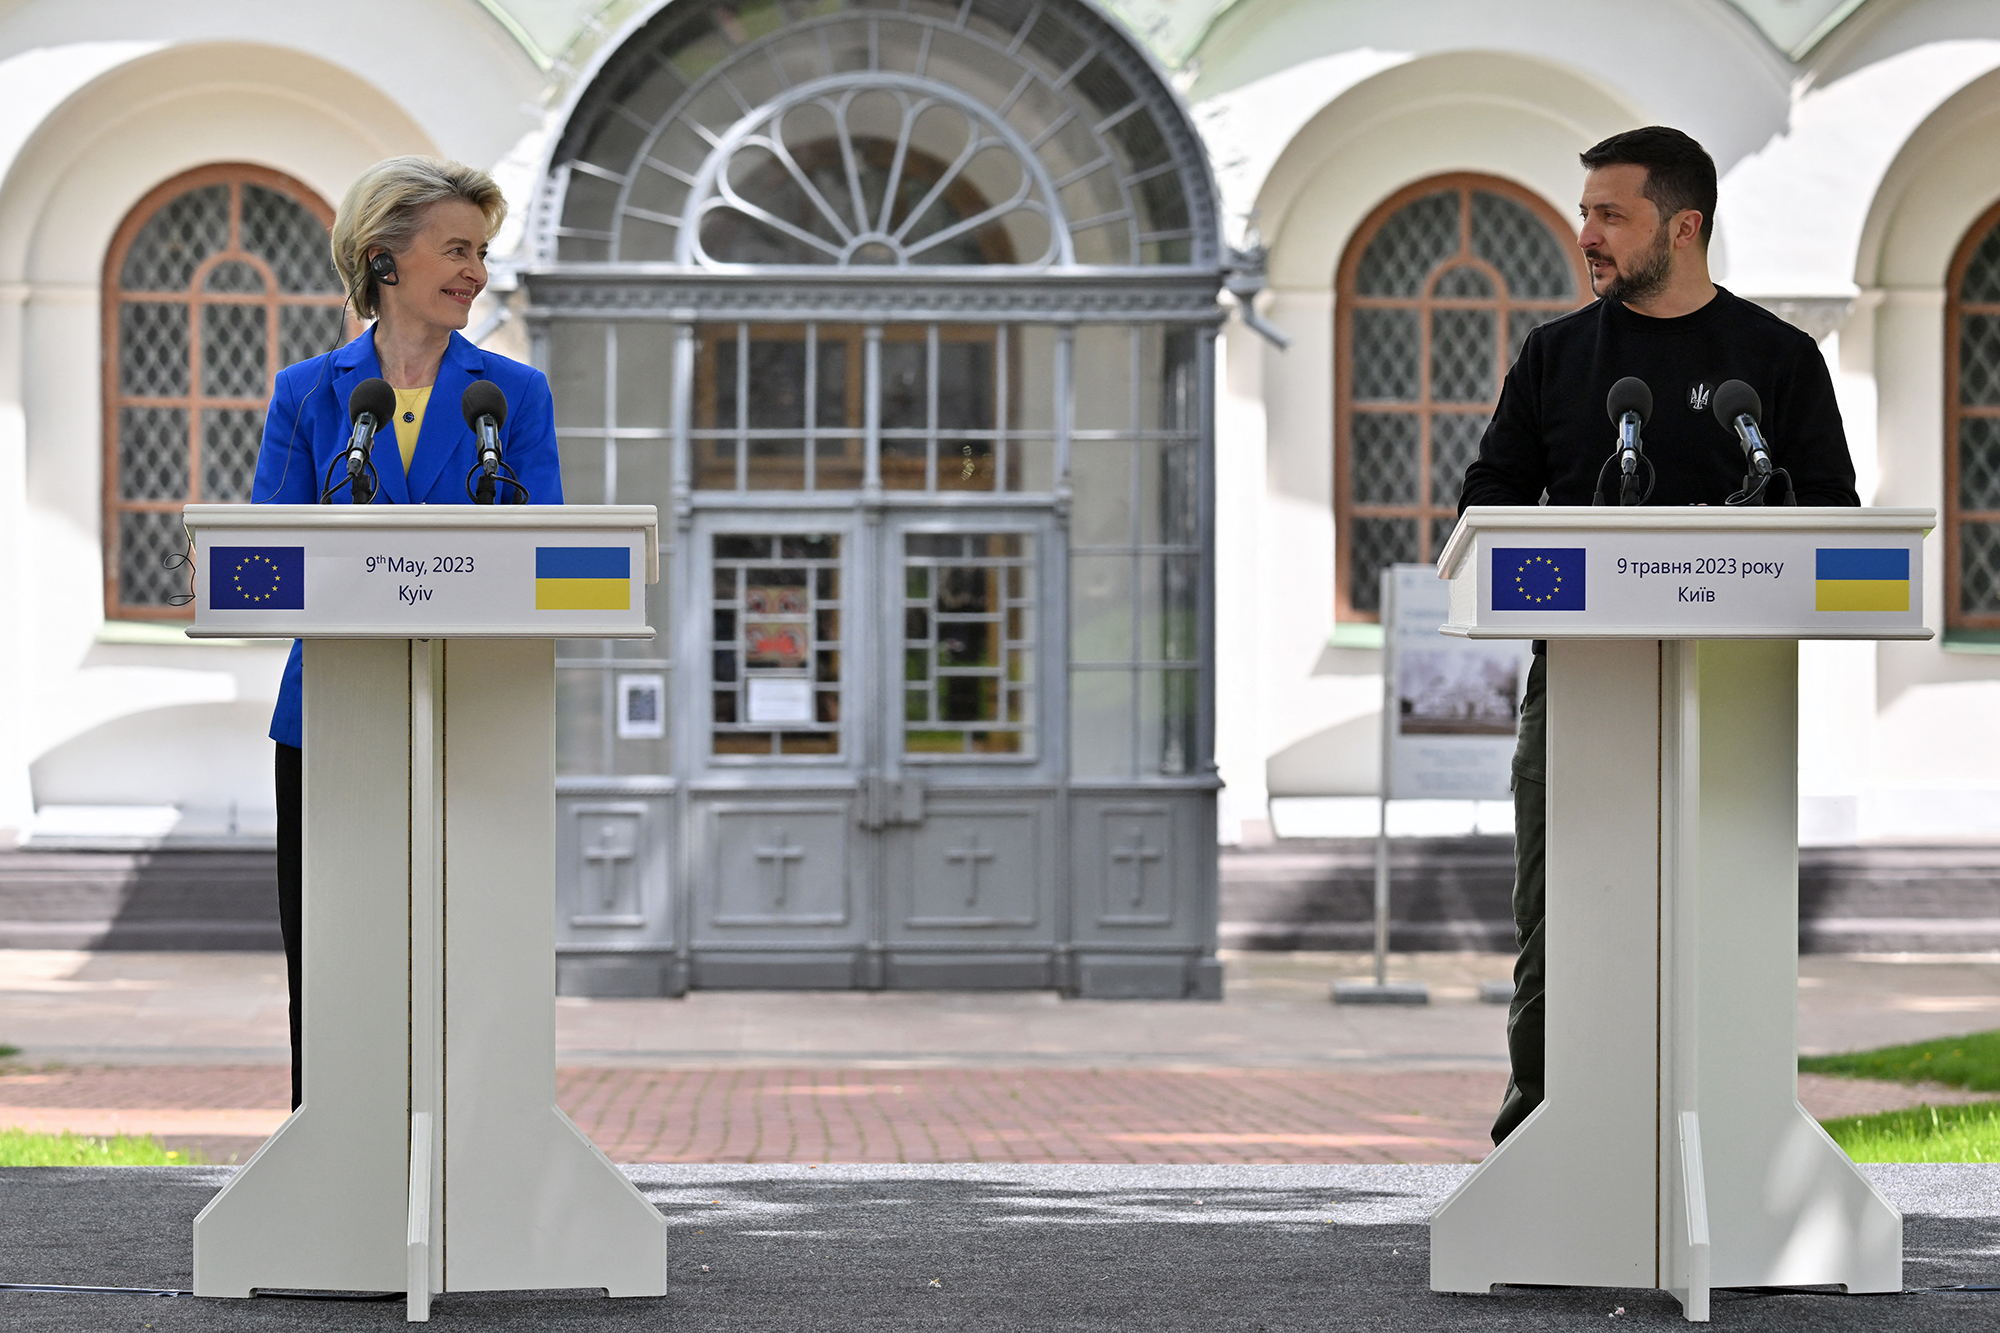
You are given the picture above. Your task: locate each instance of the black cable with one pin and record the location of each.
(1754, 494)
(1603, 497)
(339, 328)
(330, 487)
(507, 475)
(91, 1291)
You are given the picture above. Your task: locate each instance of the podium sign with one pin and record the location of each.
(428, 1154)
(1670, 1149)
(1538, 572)
(422, 571)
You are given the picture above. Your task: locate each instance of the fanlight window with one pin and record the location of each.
(1972, 426)
(982, 132)
(872, 175)
(214, 282)
(1438, 290)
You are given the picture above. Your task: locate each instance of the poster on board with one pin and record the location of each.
(1450, 704)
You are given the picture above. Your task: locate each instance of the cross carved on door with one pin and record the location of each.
(606, 856)
(1136, 854)
(970, 857)
(779, 856)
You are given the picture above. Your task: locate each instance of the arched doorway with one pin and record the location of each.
(904, 320)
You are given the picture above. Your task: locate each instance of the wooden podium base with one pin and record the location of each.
(1671, 1151)
(429, 1155)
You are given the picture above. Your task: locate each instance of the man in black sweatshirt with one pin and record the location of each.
(1648, 210)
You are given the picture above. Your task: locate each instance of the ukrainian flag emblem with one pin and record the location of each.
(583, 578)
(1861, 580)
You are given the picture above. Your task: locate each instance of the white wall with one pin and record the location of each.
(1305, 711)
(89, 128)
(1846, 187)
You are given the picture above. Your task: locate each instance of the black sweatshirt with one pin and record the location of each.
(1550, 431)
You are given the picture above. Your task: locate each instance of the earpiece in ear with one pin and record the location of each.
(383, 269)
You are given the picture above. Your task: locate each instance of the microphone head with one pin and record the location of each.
(374, 397)
(1733, 399)
(1629, 395)
(483, 399)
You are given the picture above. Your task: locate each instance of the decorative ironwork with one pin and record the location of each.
(191, 283)
(1401, 256)
(968, 643)
(1972, 430)
(1439, 290)
(1979, 568)
(875, 171)
(1534, 263)
(577, 292)
(845, 131)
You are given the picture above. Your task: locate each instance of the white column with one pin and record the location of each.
(17, 634)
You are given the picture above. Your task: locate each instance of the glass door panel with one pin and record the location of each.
(968, 643)
(775, 639)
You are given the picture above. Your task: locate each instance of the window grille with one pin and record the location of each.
(1972, 430)
(968, 643)
(215, 281)
(784, 407)
(1438, 290)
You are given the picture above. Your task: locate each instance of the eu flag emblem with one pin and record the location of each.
(1538, 578)
(257, 578)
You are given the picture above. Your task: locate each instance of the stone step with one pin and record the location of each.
(1456, 893)
(1447, 893)
(154, 900)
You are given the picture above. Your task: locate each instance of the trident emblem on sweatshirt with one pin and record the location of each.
(1698, 396)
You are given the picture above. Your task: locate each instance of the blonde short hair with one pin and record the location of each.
(384, 210)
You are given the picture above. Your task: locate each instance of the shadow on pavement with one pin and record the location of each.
(1082, 1248)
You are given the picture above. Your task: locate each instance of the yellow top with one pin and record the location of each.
(410, 405)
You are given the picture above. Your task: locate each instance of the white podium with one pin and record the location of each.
(1670, 1150)
(428, 1154)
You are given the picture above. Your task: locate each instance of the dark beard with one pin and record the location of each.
(1649, 279)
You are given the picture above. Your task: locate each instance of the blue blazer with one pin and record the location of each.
(307, 428)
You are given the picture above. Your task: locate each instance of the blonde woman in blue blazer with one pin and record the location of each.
(409, 242)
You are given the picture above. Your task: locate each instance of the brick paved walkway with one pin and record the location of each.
(846, 1114)
(843, 1114)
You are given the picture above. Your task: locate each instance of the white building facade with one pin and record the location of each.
(1405, 175)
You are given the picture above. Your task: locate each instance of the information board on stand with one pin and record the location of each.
(1450, 712)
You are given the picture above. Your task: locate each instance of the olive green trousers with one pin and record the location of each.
(1527, 1013)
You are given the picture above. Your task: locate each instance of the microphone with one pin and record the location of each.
(1628, 405)
(1736, 406)
(371, 406)
(485, 409)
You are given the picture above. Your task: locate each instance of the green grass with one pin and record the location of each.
(1922, 1134)
(19, 1147)
(7, 1052)
(1972, 1063)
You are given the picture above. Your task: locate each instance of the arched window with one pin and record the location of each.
(1436, 293)
(1972, 429)
(216, 280)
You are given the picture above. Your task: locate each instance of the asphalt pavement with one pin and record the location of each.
(977, 1248)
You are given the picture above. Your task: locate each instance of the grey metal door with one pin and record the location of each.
(872, 802)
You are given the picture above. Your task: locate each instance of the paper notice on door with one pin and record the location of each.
(784, 699)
